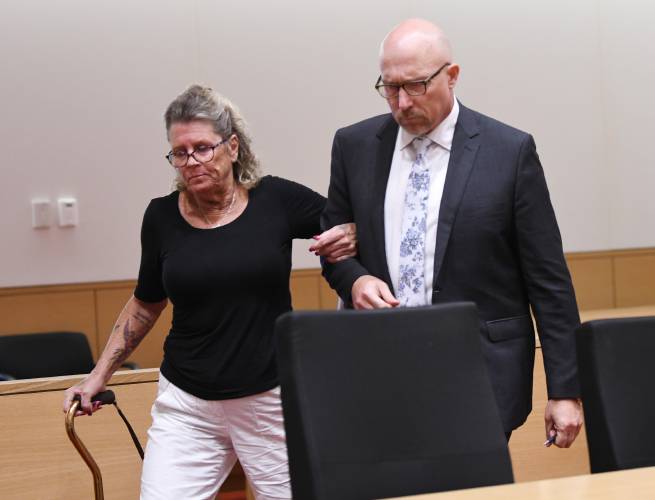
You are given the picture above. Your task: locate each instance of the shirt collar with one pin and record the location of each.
(442, 134)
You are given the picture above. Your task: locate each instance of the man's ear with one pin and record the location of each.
(453, 74)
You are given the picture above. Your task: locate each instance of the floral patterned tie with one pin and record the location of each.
(411, 281)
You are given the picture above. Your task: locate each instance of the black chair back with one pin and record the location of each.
(51, 354)
(388, 403)
(616, 360)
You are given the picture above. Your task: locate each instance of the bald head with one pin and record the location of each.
(418, 51)
(419, 37)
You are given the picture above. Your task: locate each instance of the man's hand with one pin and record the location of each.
(336, 244)
(370, 292)
(563, 420)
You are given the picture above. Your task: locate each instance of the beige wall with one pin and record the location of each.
(84, 86)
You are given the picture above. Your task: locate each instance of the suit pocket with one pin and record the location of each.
(510, 328)
(485, 206)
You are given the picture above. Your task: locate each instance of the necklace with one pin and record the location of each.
(220, 216)
(224, 214)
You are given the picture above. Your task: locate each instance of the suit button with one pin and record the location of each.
(436, 291)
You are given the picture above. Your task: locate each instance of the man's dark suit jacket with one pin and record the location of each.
(498, 245)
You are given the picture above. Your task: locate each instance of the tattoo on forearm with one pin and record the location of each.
(117, 357)
(131, 337)
(145, 320)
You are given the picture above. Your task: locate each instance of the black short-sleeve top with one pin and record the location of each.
(227, 286)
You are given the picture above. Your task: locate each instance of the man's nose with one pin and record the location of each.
(404, 99)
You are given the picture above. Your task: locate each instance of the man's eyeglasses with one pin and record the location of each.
(202, 154)
(390, 90)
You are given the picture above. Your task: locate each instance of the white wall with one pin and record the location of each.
(84, 85)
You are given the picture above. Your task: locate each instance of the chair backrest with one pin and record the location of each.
(616, 359)
(49, 354)
(388, 403)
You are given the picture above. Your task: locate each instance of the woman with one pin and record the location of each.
(219, 247)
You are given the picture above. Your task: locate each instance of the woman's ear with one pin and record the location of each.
(233, 144)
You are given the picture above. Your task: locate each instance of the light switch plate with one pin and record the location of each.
(41, 210)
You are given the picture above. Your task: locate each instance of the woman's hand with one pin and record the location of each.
(86, 389)
(336, 244)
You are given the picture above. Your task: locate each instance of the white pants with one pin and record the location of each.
(193, 444)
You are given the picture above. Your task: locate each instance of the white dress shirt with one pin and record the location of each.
(437, 157)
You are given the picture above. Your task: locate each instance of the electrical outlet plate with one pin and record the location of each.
(67, 211)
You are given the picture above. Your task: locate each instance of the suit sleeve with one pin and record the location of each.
(339, 210)
(548, 282)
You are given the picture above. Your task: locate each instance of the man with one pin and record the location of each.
(452, 205)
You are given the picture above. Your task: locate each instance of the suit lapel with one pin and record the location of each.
(462, 157)
(386, 137)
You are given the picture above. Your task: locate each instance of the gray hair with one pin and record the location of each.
(203, 103)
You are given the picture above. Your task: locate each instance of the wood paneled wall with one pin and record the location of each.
(603, 280)
(90, 308)
(617, 278)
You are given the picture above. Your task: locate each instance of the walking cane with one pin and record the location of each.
(105, 397)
